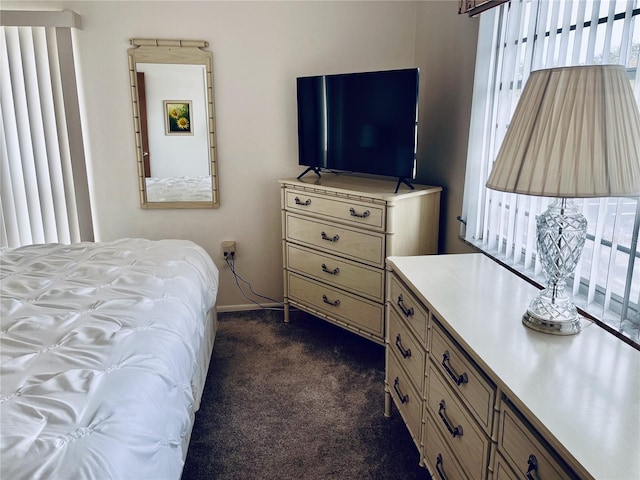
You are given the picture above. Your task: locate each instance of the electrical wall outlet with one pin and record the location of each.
(229, 248)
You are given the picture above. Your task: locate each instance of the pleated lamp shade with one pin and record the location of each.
(575, 133)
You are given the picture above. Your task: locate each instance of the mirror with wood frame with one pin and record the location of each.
(174, 123)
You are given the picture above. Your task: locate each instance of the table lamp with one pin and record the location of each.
(575, 133)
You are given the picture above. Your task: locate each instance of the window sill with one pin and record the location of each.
(624, 336)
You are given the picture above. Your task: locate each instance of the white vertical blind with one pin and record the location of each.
(39, 187)
(515, 39)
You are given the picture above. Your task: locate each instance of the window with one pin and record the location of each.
(515, 39)
(44, 194)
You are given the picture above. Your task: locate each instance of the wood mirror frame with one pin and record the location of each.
(172, 52)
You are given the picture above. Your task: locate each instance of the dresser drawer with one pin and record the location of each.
(462, 375)
(339, 209)
(360, 245)
(350, 309)
(524, 451)
(503, 471)
(354, 277)
(407, 399)
(458, 427)
(441, 461)
(409, 352)
(409, 308)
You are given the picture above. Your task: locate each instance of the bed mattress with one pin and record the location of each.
(100, 344)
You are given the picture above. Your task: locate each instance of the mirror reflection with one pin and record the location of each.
(172, 95)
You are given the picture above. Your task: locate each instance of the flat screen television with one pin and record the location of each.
(359, 122)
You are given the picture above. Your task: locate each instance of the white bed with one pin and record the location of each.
(104, 350)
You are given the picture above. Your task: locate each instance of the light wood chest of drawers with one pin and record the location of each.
(337, 231)
(486, 398)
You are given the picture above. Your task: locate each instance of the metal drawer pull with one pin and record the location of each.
(455, 432)
(335, 303)
(364, 214)
(407, 311)
(335, 271)
(405, 353)
(403, 398)
(335, 238)
(533, 468)
(305, 203)
(459, 379)
(439, 467)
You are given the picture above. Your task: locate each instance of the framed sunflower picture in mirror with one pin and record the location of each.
(177, 115)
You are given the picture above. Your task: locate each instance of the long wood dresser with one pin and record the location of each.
(486, 398)
(337, 231)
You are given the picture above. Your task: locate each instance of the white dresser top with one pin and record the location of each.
(357, 185)
(581, 390)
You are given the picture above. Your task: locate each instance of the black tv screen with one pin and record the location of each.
(359, 122)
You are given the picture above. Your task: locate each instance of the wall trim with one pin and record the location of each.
(33, 18)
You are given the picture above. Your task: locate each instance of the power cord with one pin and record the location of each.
(231, 262)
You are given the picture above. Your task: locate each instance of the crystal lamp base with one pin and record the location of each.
(550, 325)
(561, 232)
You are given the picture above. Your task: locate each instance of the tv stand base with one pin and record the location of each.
(405, 181)
(315, 170)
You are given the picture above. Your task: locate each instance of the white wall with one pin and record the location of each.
(259, 48)
(445, 52)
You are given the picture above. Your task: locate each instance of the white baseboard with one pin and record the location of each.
(249, 306)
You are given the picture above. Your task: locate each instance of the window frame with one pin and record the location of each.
(479, 203)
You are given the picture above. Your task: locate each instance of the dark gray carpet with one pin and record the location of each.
(303, 400)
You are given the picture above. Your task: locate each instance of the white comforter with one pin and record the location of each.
(98, 346)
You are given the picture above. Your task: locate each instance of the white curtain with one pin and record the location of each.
(43, 185)
(515, 39)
